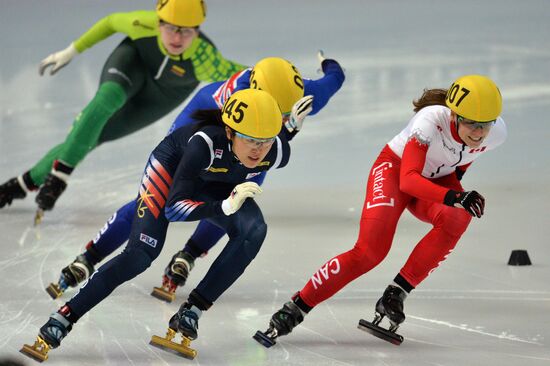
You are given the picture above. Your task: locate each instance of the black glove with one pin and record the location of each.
(471, 201)
(50, 192)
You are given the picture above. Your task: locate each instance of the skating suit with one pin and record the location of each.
(414, 170)
(187, 177)
(117, 229)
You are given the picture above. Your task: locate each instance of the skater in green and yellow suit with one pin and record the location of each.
(160, 62)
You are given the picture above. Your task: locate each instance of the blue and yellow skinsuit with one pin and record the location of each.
(140, 83)
(117, 230)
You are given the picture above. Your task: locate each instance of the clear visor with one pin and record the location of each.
(254, 142)
(473, 125)
(183, 31)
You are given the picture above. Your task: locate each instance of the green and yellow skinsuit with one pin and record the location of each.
(140, 83)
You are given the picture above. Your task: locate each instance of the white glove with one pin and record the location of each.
(58, 60)
(239, 194)
(300, 110)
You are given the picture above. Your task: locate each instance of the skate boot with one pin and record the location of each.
(76, 272)
(54, 185)
(186, 322)
(11, 190)
(281, 323)
(391, 306)
(50, 336)
(175, 275)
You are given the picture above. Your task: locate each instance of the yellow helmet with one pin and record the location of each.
(183, 13)
(279, 78)
(475, 97)
(253, 113)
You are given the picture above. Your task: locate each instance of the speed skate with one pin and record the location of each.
(373, 328)
(167, 343)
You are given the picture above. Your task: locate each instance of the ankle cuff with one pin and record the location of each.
(301, 303)
(403, 283)
(199, 301)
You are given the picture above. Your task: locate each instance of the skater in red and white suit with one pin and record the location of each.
(419, 170)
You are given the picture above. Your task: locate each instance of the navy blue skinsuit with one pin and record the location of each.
(212, 96)
(201, 170)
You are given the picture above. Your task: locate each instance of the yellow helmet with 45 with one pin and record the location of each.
(253, 113)
(183, 13)
(281, 79)
(475, 97)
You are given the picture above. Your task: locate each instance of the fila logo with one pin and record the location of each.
(218, 153)
(331, 267)
(152, 242)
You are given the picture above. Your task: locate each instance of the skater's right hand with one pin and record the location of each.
(239, 194)
(58, 60)
(471, 201)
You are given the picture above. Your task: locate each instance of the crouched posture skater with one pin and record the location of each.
(419, 170)
(197, 172)
(278, 77)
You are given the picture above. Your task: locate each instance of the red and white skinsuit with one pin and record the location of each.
(414, 170)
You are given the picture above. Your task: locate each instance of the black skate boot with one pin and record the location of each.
(11, 190)
(175, 275)
(391, 306)
(281, 323)
(76, 272)
(186, 322)
(50, 336)
(54, 185)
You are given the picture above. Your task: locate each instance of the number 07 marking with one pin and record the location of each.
(452, 93)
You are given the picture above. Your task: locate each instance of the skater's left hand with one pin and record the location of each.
(300, 110)
(58, 60)
(471, 201)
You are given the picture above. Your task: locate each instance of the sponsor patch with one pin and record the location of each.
(218, 153)
(252, 175)
(180, 71)
(148, 240)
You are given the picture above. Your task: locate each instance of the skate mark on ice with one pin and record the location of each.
(503, 335)
(124, 351)
(313, 353)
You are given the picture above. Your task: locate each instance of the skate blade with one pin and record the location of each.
(180, 349)
(38, 351)
(162, 294)
(54, 291)
(380, 332)
(38, 216)
(263, 339)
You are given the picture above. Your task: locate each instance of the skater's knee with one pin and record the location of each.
(254, 239)
(453, 221)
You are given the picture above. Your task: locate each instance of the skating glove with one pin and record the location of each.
(471, 201)
(58, 60)
(239, 194)
(300, 110)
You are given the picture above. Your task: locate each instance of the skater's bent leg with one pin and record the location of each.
(449, 223)
(206, 235)
(87, 127)
(144, 246)
(247, 231)
(39, 171)
(114, 233)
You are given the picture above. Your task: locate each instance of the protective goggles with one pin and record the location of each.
(183, 31)
(254, 142)
(473, 125)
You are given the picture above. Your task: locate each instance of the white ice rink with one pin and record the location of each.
(473, 310)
